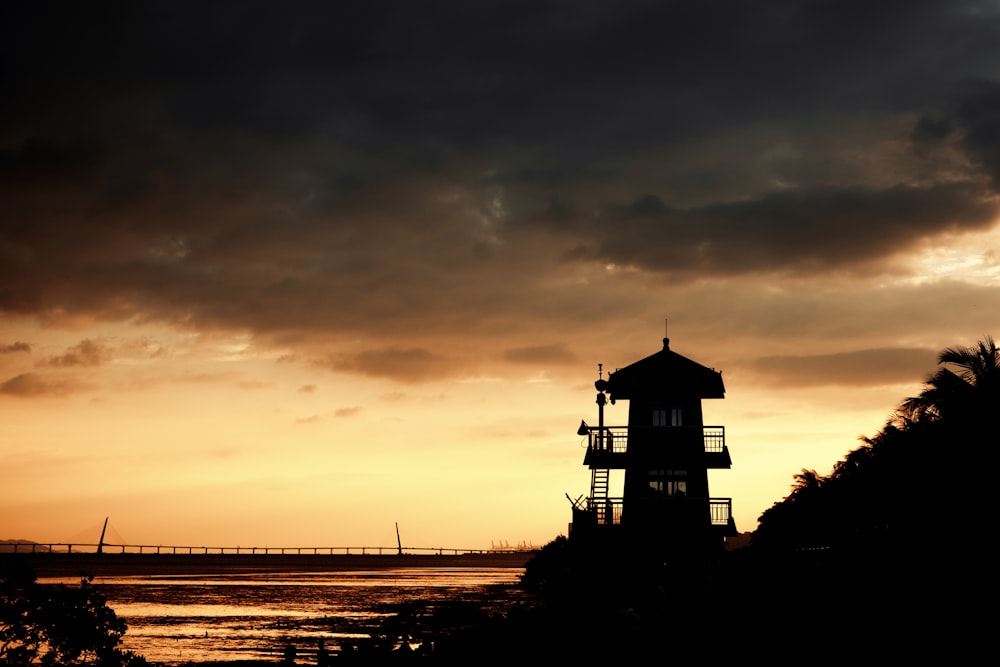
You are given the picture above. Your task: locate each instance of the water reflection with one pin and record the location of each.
(186, 618)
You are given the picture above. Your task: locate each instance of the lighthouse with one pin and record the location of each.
(663, 508)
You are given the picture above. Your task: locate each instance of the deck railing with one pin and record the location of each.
(720, 509)
(614, 439)
(608, 511)
(715, 438)
(75, 548)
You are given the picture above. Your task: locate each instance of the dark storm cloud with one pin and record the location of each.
(386, 170)
(798, 232)
(978, 117)
(415, 83)
(18, 346)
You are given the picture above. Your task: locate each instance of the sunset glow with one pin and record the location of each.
(289, 278)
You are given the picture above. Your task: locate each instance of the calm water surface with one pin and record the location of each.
(179, 619)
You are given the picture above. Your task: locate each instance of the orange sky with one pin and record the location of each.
(286, 279)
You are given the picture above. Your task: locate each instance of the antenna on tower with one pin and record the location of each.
(600, 371)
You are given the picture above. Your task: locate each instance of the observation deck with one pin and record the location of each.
(608, 447)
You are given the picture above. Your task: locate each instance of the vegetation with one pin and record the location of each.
(57, 625)
(914, 486)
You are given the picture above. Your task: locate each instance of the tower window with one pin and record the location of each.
(668, 482)
(671, 417)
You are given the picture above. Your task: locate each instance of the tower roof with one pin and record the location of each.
(665, 374)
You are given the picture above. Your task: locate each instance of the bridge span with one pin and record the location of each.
(108, 548)
(71, 560)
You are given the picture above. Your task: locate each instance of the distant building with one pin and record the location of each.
(664, 508)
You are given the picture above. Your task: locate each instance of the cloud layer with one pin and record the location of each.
(402, 176)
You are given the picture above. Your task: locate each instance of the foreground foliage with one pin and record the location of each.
(57, 625)
(918, 482)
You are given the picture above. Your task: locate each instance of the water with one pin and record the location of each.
(177, 619)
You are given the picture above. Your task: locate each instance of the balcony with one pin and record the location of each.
(605, 511)
(611, 439)
(721, 511)
(606, 447)
(608, 511)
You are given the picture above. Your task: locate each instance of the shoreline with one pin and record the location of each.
(105, 565)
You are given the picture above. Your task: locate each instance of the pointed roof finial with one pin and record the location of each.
(666, 333)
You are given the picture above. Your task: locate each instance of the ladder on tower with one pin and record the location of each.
(599, 494)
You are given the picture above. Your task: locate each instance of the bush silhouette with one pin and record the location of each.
(57, 625)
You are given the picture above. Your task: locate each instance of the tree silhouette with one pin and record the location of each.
(963, 395)
(909, 484)
(57, 625)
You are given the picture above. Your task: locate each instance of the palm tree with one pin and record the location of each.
(969, 394)
(911, 482)
(952, 417)
(807, 483)
(979, 364)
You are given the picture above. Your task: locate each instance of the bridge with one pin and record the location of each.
(114, 560)
(108, 548)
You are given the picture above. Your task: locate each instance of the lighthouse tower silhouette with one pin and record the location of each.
(665, 451)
